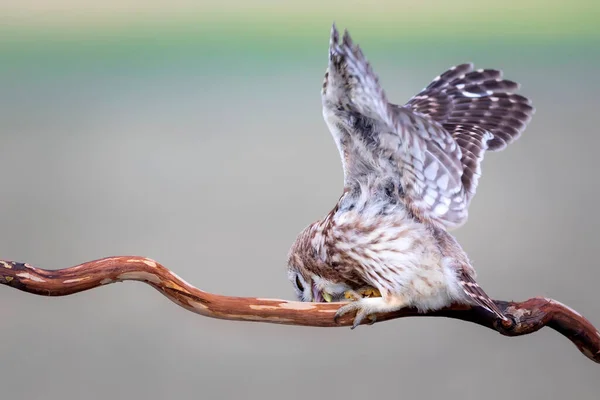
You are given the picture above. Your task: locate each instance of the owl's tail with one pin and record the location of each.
(478, 296)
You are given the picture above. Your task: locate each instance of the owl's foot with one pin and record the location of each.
(368, 307)
(352, 295)
(362, 308)
(367, 291)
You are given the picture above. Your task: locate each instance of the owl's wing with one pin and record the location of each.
(431, 171)
(478, 109)
(366, 127)
(433, 142)
(463, 99)
(351, 91)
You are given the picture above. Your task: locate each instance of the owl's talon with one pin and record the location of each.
(369, 292)
(362, 312)
(352, 295)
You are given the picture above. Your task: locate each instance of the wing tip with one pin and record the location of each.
(334, 36)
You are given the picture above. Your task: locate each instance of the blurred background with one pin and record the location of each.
(191, 132)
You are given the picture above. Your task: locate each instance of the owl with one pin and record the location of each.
(410, 173)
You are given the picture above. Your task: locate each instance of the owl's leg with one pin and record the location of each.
(368, 307)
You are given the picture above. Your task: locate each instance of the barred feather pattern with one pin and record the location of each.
(478, 296)
(351, 82)
(479, 109)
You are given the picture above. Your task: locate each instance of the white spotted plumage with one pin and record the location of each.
(410, 173)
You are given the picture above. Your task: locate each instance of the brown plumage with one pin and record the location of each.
(410, 173)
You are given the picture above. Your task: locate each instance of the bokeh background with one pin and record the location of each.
(191, 132)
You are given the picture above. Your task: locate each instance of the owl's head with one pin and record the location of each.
(304, 265)
(311, 287)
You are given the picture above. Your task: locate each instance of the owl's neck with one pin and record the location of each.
(380, 197)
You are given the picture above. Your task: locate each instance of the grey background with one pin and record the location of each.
(213, 171)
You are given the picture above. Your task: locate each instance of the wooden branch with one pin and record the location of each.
(527, 317)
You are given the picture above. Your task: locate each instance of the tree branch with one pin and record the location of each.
(527, 317)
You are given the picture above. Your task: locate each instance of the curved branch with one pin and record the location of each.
(527, 317)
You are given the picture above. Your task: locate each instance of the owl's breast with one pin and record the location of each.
(385, 250)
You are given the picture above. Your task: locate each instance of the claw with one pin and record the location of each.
(362, 312)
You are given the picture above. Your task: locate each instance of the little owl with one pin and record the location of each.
(410, 173)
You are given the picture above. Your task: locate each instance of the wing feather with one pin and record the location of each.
(479, 109)
(433, 146)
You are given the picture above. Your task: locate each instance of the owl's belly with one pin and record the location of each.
(397, 255)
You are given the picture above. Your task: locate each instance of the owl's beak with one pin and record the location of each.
(319, 296)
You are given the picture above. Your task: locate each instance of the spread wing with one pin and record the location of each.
(478, 109)
(431, 145)
(368, 129)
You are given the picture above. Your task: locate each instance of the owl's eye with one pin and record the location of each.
(299, 283)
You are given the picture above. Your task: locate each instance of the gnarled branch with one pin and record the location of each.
(527, 316)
